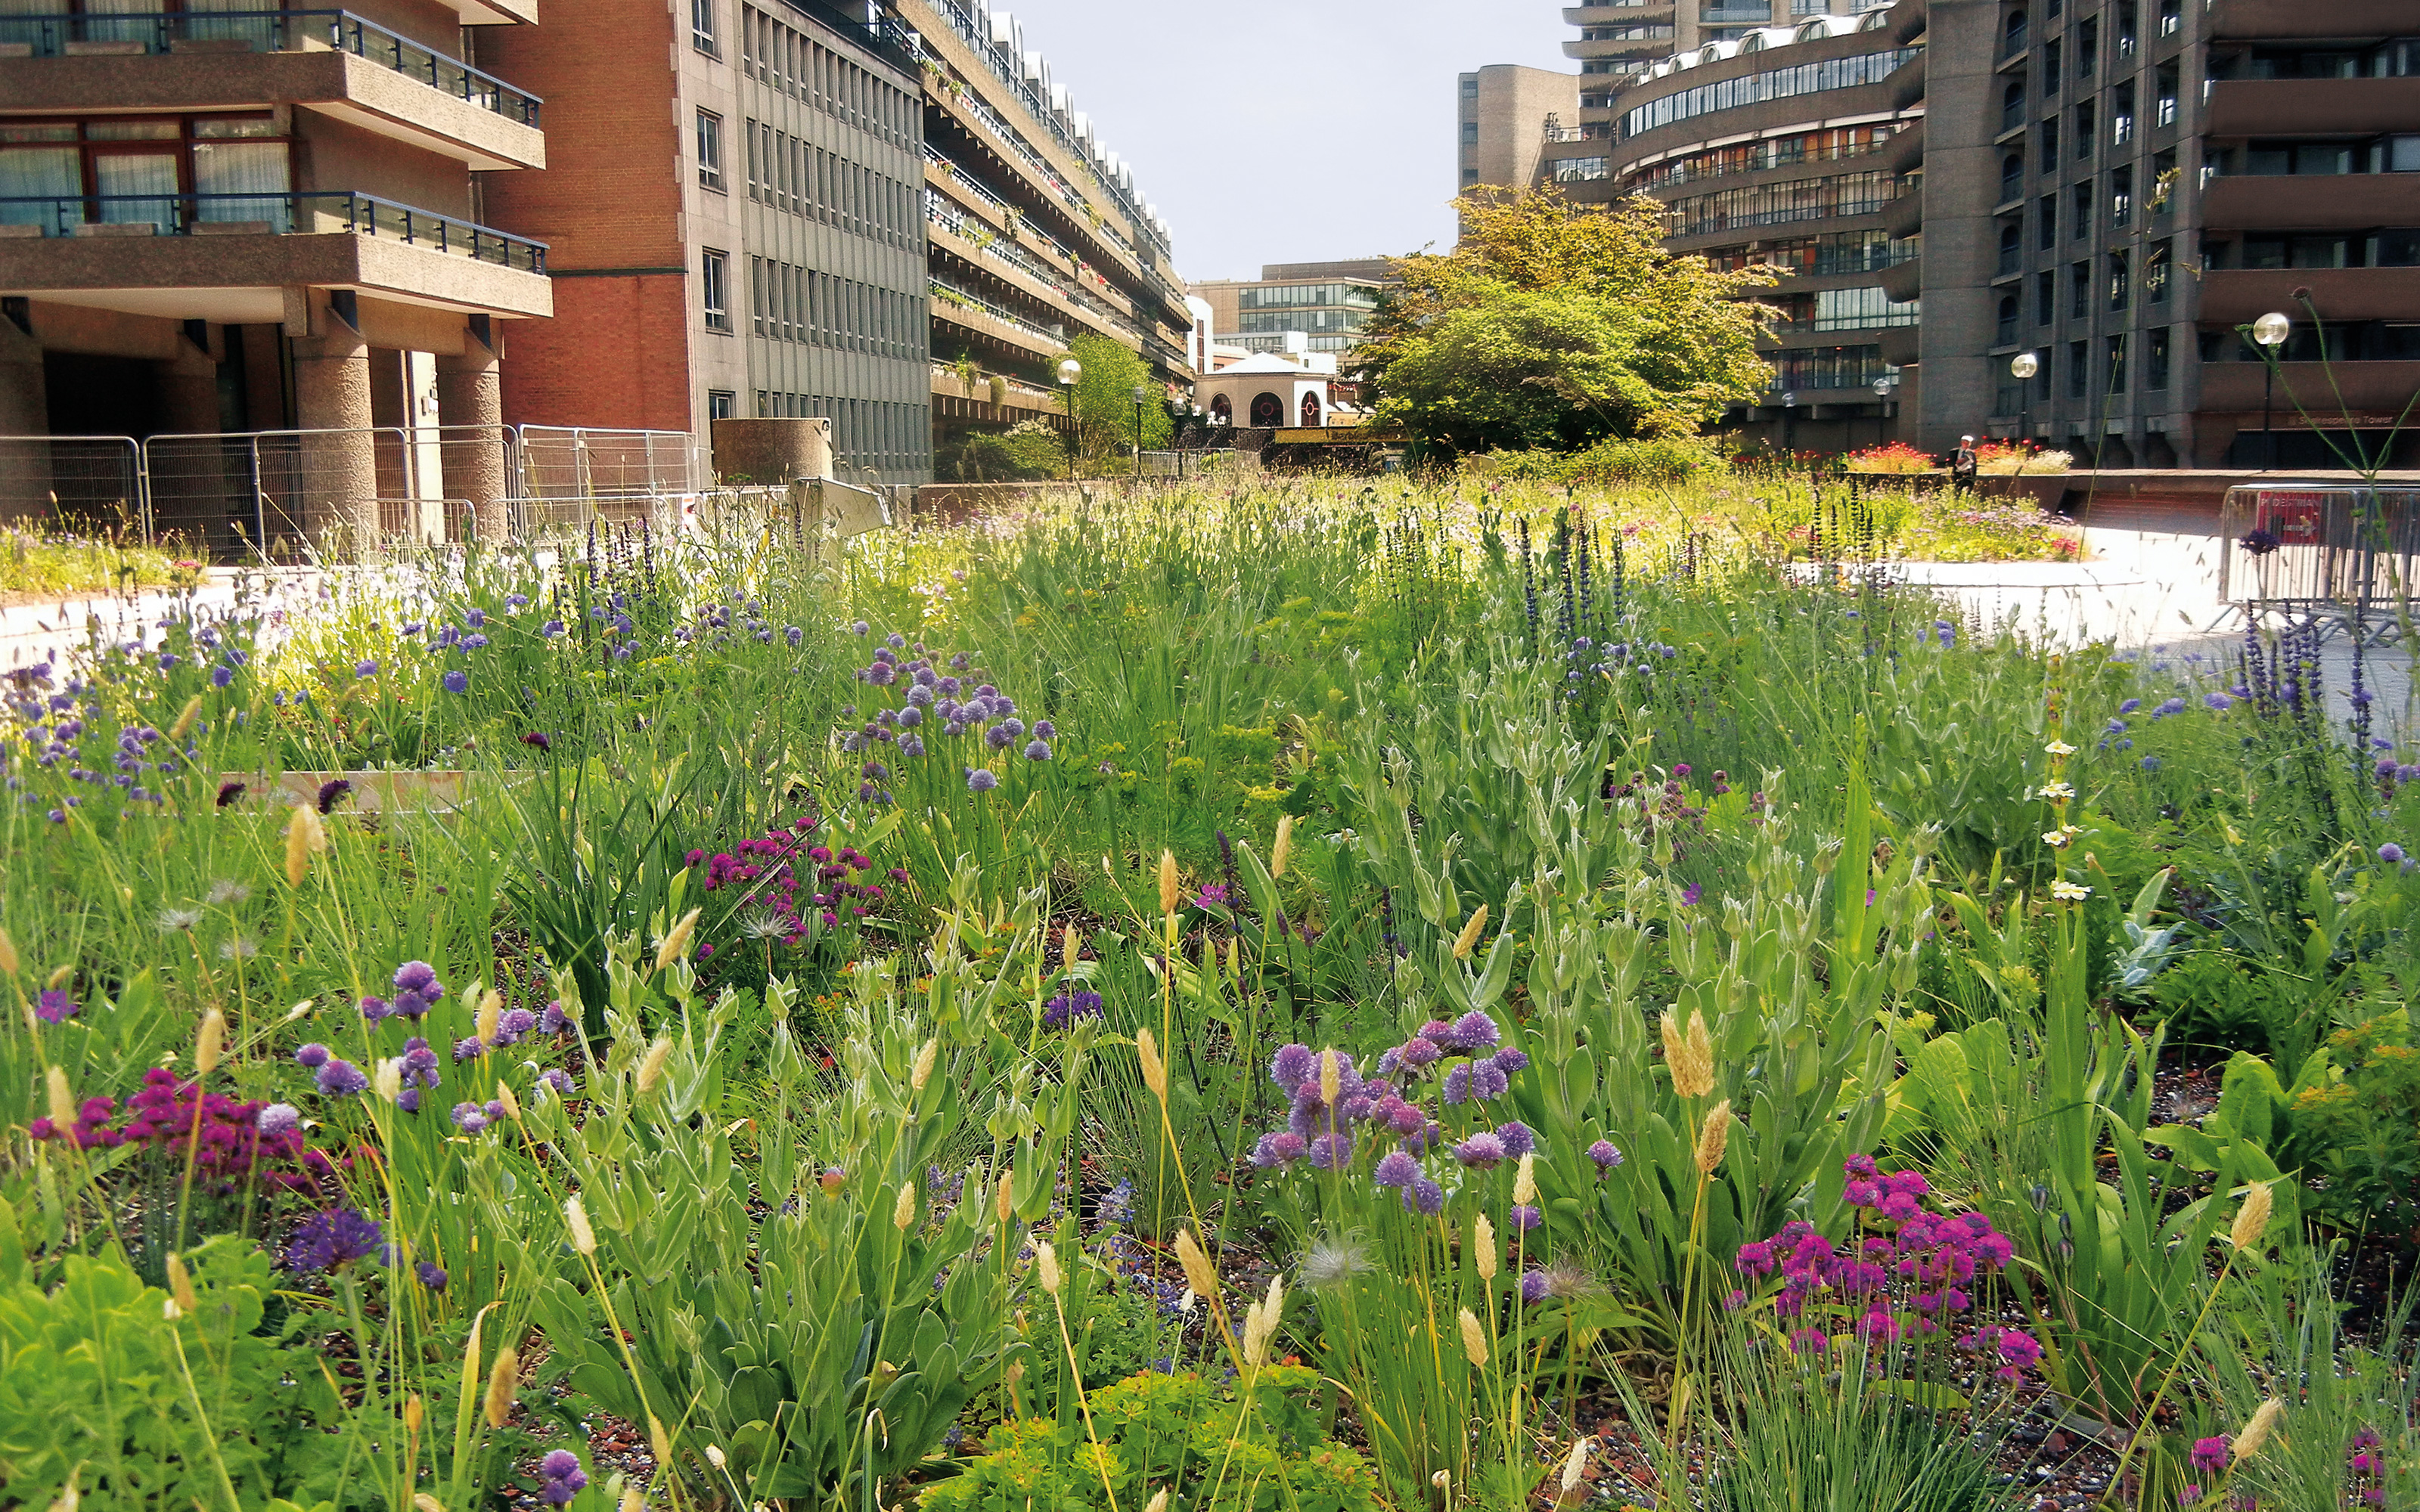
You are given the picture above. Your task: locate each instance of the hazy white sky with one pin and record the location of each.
(1286, 131)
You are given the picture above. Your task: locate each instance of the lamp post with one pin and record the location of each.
(1789, 423)
(2271, 331)
(1139, 394)
(2022, 368)
(1881, 409)
(1069, 371)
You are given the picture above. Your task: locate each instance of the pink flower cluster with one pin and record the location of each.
(839, 883)
(230, 1139)
(1913, 1279)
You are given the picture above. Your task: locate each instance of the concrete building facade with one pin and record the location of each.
(735, 224)
(1325, 303)
(266, 220)
(1503, 116)
(2117, 187)
(1038, 230)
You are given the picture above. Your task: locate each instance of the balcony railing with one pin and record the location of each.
(272, 31)
(292, 214)
(950, 295)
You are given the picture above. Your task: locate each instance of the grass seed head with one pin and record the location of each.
(1004, 1199)
(306, 837)
(1482, 1244)
(180, 1284)
(1046, 1262)
(925, 1058)
(1155, 1070)
(575, 1215)
(184, 725)
(1467, 940)
(674, 944)
(210, 1043)
(1169, 889)
(389, 1081)
(1715, 1138)
(2252, 1219)
(491, 1009)
(651, 1069)
(414, 1414)
(2256, 1433)
(1283, 851)
(1525, 1180)
(501, 1381)
(423, 1501)
(903, 1213)
(63, 1108)
(1331, 1077)
(1474, 1338)
(512, 1104)
(9, 962)
(1575, 1466)
(1199, 1273)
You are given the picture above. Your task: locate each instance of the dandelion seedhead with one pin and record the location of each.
(1333, 1261)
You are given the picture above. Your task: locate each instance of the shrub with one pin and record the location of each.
(1898, 458)
(1998, 459)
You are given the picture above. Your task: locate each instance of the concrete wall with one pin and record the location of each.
(1511, 114)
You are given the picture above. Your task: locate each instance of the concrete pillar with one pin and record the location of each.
(769, 453)
(196, 496)
(25, 411)
(471, 407)
(338, 481)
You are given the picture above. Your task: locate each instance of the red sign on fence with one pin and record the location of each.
(2294, 517)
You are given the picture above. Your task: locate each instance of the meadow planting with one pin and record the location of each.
(1302, 997)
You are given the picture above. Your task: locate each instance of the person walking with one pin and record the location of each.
(1964, 466)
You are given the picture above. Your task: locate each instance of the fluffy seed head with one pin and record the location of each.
(651, 1070)
(63, 1108)
(1331, 1077)
(389, 1081)
(180, 1285)
(1483, 1240)
(1198, 1274)
(7, 955)
(512, 1104)
(1169, 889)
(1046, 1263)
(925, 1058)
(1474, 1338)
(306, 837)
(714, 1456)
(2256, 1433)
(1713, 1139)
(2252, 1219)
(1158, 1501)
(633, 1500)
(1525, 1181)
(1283, 850)
(184, 724)
(210, 1043)
(1004, 1202)
(1155, 1070)
(57, 979)
(1575, 1467)
(674, 945)
(501, 1381)
(1468, 938)
(492, 1007)
(1260, 1322)
(575, 1215)
(423, 1501)
(903, 1213)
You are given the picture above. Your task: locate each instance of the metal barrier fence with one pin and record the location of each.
(2308, 548)
(272, 492)
(89, 485)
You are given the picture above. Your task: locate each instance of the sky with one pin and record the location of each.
(1286, 131)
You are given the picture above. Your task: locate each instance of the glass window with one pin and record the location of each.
(714, 289)
(709, 150)
(700, 27)
(2156, 360)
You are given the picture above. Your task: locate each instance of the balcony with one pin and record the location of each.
(972, 312)
(2282, 21)
(329, 60)
(2239, 295)
(2311, 107)
(1604, 11)
(238, 254)
(1905, 216)
(2368, 388)
(2311, 201)
(1905, 281)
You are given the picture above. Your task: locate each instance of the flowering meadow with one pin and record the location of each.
(1306, 999)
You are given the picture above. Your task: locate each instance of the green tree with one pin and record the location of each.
(1105, 405)
(1554, 325)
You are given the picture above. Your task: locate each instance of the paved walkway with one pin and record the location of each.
(37, 631)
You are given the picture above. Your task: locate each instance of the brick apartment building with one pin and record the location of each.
(260, 221)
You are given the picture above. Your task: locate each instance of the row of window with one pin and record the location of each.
(2084, 201)
(1304, 320)
(866, 433)
(2391, 154)
(2091, 285)
(787, 302)
(791, 174)
(794, 63)
(134, 169)
(1829, 367)
(1773, 152)
(1841, 252)
(1804, 199)
(2101, 370)
(2390, 248)
(1776, 83)
(1296, 296)
(2397, 59)
(2336, 341)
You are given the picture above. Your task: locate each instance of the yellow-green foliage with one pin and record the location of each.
(1263, 1448)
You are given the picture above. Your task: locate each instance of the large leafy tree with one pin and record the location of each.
(1105, 405)
(1557, 325)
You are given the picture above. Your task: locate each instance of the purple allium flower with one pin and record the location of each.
(1037, 751)
(470, 1117)
(2218, 702)
(276, 1119)
(563, 1479)
(1604, 1155)
(1396, 1169)
(375, 1008)
(336, 1237)
(1482, 1149)
(552, 1020)
(1519, 1140)
(1526, 1216)
(407, 1100)
(457, 680)
(311, 1057)
(1417, 1052)
(512, 1025)
(1474, 1031)
(2211, 1454)
(2390, 853)
(419, 977)
(982, 780)
(1044, 730)
(1457, 1085)
(56, 1007)
(1534, 1287)
(1331, 1152)
(560, 1079)
(367, 669)
(1277, 1149)
(1424, 1197)
(1292, 1066)
(1487, 1080)
(1509, 1061)
(431, 1276)
(341, 1078)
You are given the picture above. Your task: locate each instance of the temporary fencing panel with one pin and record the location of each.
(2307, 547)
(88, 485)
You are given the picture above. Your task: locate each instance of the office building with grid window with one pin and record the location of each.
(222, 216)
(734, 222)
(1504, 116)
(1324, 304)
